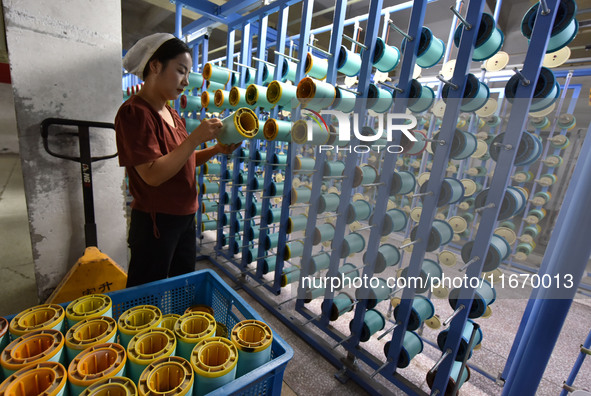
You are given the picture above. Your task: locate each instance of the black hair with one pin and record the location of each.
(167, 51)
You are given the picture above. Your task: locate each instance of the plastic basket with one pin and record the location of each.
(174, 295)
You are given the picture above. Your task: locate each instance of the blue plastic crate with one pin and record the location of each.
(174, 295)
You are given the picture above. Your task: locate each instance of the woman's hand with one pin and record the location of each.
(227, 148)
(209, 129)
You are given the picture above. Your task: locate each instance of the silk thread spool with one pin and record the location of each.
(281, 94)
(237, 98)
(301, 133)
(293, 249)
(256, 95)
(379, 99)
(169, 320)
(249, 78)
(32, 348)
(414, 148)
(136, 319)
(297, 223)
(288, 73)
(170, 376)
(221, 99)
(191, 102)
(148, 346)
(316, 67)
(499, 250)
(385, 57)
(565, 25)
(353, 243)
(514, 202)
(412, 345)
(254, 340)
(207, 102)
(476, 94)
(94, 364)
(91, 306)
(430, 270)
(315, 94)
(529, 150)
(441, 234)
(89, 332)
(358, 210)
(212, 73)
(375, 294)
(320, 262)
(116, 386)
(364, 174)
(489, 39)
(277, 130)
(344, 100)
(484, 295)
(195, 81)
(347, 271)
(47, 378)
(268, 72)
(431, 49)
(40, 317)
(420, 97)
(454, 378)
(190, 329)
(214, 361)
(546, 93)
(301, 195)
(191, 124)
(334, 168)
(403, 182)
(304, 164)
(422, 309)
(388, 256)
(464, 348)
(372, 323)
(340, 304)
(348, 62)
(238, 126)
(328, 202)
(323, 232)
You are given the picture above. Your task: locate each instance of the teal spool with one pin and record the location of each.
(441, 234)
(341, 303)
(469, 217)
(252, 234)
(240, 202)
(256, 95)
(414, 148)
(269, 264)
(565, 26)
(216, 74)
(514, 202)
(379, 99)
(347, 271)
(300, 195)
(253, 339)
(532, 230)
(411, 346)
(211, 168)
(195, 81)
(508, 224)
(281, 94)
(293, 249)
(271, 241)
(94, 364)
(498, 250)
(388, 256)
(208, 206)
(431, 49)
(420, 97)
(268, 73)
(323, 232)
(315, 94)
(289, 276)
(376, 293)
(210, 188)
(525, 248)
(214, 362)
(476, 94)
(394, 221)
(304, 164)
(465, 348)
(273, 215)
(190, 329)
(385, 58)
(429, 270)
(421, 310)
(328, 202)
(238, 126)
(453, 378)
(257, 183)
(260, 156)
(320, 262)
(316, 67)
(353, 243)
(277, 130)
(297, 223)
(208, 103)
(288, 73)
(237, 98)
(493, 121)
(488, 41)
(403, 182)
(334, 168)
(278, 160)
(358, 210)
(220, 99)
(146, 347)
(344, 100)
(546, 93)
(191, 102)
(300, 132)
(348, 62)
(252, 254)
(209, 225)
(364, 174)
(249, 77)
(463, 145)
(484, 295)
(372, 323)
(39, 317)
(255, 209)
(211, 87)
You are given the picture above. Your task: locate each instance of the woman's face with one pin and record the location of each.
(172, 79)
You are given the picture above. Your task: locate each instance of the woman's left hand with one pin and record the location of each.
(227, 148)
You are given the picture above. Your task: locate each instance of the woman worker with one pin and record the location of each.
(160, 159)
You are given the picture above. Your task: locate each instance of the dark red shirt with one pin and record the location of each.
(143, 136)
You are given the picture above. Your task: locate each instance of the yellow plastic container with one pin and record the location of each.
(115, 386)
(137, 319)
(40, 317)
(200, 308)
(91, 306)
(214, 361)
(46, 378)
(253, 339)
(190, 329)
(90, 332)
(35, 347)
(148, 346)
(94, 364)
(170, 376)
(169, 320)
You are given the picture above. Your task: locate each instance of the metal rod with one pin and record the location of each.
(258, 190)
(385, 333)
(425, 194)
(286, 301)
(545, 9)
(466, 356)
(524, 81)
(395, 88)
(353, 270)
(299, 206)
(440, 360)
(443, 80)
(467, 25)
(383, 366)
(469, 263)
(264, 283)
(394, 292)
(505, 146)
(441, 142)
(311, 319)
(248, 67)
(393, 26)
(342, 341)
(320, 50)
(410, 244)
(288, 57)
(373, 184)
(364, 228)
(348, 90)
(354, 41)
(453, 315)
(489, 206)
(326, 216)
(263, 61)
(335, 177)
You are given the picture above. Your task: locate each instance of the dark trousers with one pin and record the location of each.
(173, 253)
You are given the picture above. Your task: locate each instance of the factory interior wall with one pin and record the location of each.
(65, 62)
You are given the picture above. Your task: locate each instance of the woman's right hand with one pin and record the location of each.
(209, 129)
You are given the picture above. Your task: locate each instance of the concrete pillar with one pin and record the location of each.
(65, 59)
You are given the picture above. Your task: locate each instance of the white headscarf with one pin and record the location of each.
(136, 58)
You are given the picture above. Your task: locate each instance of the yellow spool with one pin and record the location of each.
(169, 320)
(47, 379)
(96, 363)
(90, 332)
(200, 308)
(214, 361)
(40, 317)
(147, 346)
(91, 306)
(253, 339)
(136, 319)
(190, 329)
(115, 386)
(170, 376)
(34, 347)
